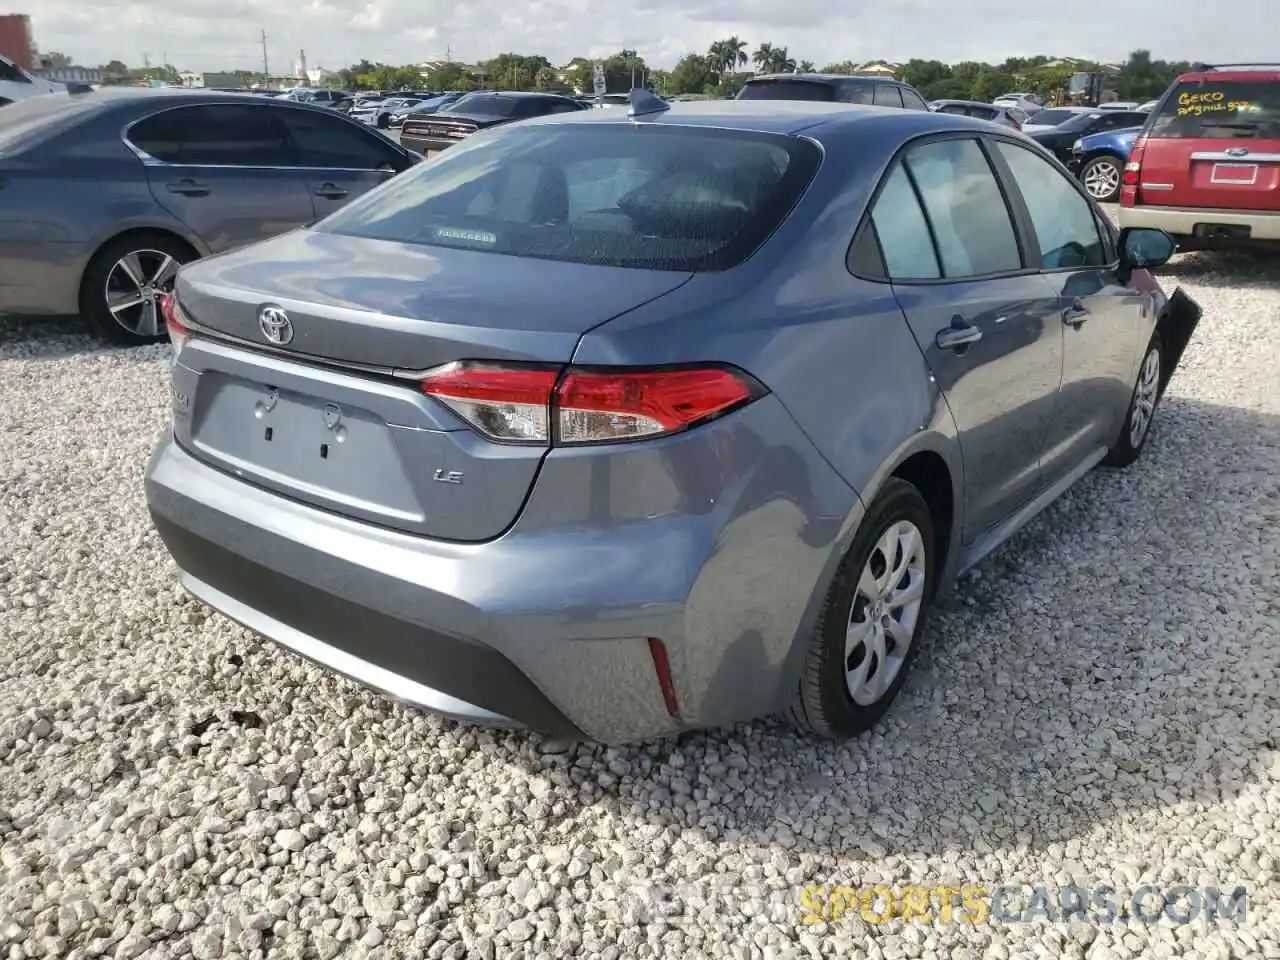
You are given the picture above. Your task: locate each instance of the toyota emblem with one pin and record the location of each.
(275, 324)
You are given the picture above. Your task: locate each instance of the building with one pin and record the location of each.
(199, 79)
(878, 68)
(72, 74)
(16, 43)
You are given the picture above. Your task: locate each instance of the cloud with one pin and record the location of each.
(224, 34)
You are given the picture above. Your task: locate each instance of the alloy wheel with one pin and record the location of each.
(1102, 180)
(886, 608)
(134, 287)
(1144, 398)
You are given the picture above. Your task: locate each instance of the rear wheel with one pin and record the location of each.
(122, 286)
(384, 121)
(865, 639)
(1101, 179)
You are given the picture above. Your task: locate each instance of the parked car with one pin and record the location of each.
(1098, 160)
(1149, 106)
(16, 84)
(1028, 103)
(833, 88)
(1130, 105)
(1052, 117)
(1060, 139)
(107, 193)
(378, 113)
(1004, 116)
(424, 108)
(1206, 165)
(479, 111)
(619, 424)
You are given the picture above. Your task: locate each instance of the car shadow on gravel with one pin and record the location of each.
(1116, 659)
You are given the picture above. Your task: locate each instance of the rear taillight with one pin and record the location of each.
(519, 404)
(174, 322)
(1133, 167)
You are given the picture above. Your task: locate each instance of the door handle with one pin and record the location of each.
(1075, 314)
(958, 336)
(189, 188)
(331, 191)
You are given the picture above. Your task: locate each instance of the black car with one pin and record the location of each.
(1059, 140)
(833, 88)
(480, 111)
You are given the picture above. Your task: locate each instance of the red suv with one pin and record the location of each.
(1206, 166)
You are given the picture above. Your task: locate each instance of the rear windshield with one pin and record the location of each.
(488, 106)
(659, 198)
(1053, 117)
(1219, 109)
(24, 121)
(788, 90)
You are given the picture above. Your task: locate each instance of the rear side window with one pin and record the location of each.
(322, 141)
(674, 199)
(1218, 108)
(970, 221)
(788, 90)
(856, 93)
(887, 95)
(223, 135)
(903, 231)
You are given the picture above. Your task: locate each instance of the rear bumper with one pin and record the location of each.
(548, 626)
(1182, 221)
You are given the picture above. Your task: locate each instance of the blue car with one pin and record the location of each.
(1098, 160)
(619, 423)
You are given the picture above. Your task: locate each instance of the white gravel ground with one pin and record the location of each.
(1097, 704)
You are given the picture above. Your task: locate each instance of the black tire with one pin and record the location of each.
(93, 287)
(1095, 168)
(1126, 448)
(384, 121)
(824, 705)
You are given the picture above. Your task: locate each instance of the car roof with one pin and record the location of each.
(969, 103)
(521, 94)
(825, 78)
(777, 116)
(1231, 74)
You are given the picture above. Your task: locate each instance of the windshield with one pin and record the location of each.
(27, 120)
(677, 198)
(1051, 118)
(788, 90)
(1219, 109)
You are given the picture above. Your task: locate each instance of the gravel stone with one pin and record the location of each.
(1096, 703)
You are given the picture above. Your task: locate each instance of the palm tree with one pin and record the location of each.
(780, 61)
(806, 66)
(763, 58)
(735, 53)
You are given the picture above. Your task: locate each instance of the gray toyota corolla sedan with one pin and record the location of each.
(615, 424)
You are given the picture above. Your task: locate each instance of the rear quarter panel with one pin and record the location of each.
(834, 350)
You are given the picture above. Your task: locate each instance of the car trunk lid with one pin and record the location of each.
(1215, 144)
(336, 416)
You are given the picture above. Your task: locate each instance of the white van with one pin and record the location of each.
(17, 84)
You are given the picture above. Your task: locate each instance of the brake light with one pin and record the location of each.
(175, 322)
(531, 404)
(1133, 167)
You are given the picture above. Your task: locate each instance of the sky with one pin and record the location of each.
(226, 34)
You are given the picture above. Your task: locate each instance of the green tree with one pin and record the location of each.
(515, 71)
(771, 59)
(843, 67)
(623, 71)
(727, 55)
(692, 74)
(924, 73)
(806, 66)
(450, 76)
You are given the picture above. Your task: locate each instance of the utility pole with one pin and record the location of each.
(448, 53)
(266, 70)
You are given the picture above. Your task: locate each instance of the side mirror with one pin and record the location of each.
(1142, 248)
